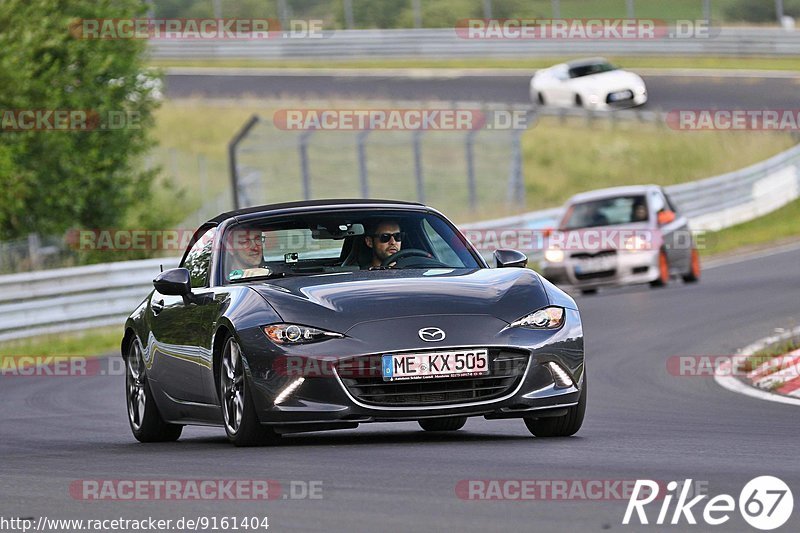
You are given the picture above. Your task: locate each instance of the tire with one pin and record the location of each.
(453, 423)
(143, 415)
(693, 276)
(560, 426)
(578, 101)
(588, 291)
(238, 410)
(663, 271)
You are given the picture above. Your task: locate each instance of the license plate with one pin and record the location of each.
(449, 364)
(623, 95)
(589, 266)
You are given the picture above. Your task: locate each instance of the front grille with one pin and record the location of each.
(587, 255)
(507, 369)
(595, 275)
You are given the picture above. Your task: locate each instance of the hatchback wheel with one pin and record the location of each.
(663, 271)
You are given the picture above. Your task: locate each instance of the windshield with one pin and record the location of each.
(606, 212)
(592, 68)
(341, 242)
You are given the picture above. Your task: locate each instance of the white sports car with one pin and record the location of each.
(590, 83)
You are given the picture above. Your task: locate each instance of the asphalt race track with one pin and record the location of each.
(642, 422)
(665, 92)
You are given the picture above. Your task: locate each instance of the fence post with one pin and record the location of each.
(707, 10)
(348, 14)
(487, 9)
(630, 8)
(361, 139)
(470, 153)
(233, 167)
(302, 146)
(556, 4)
(415, 5)
(417, 140)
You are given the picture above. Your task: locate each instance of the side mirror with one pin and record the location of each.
(665, 217)
(510, 258)
(174, 282)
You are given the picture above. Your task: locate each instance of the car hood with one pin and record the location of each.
(613, 80)
(338, 302)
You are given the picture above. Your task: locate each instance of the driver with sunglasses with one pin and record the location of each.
(385, 241)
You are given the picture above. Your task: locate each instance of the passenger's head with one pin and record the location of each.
(245, 247)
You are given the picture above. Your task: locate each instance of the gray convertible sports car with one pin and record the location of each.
(328, 314)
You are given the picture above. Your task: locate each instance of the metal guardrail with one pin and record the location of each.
(35, 303)
(51, 301)
(445, 43)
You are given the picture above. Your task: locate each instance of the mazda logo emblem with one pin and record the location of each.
(431, 334)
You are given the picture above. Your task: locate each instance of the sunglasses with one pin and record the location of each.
(385, 237)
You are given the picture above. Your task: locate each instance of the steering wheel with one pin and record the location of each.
(408, 252)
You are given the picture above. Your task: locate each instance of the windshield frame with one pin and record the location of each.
(219, 279)
(570, 211)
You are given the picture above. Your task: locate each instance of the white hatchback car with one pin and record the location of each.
(590, 83)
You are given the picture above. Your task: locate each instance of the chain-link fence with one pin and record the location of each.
(469, 173)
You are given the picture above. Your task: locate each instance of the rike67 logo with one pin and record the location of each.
(765, 503)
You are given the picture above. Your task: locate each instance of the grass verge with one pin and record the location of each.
(86, 343)
(769, 353)
(780, 224)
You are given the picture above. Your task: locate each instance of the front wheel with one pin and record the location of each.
(694, 268)
(453, 423)
(238, 411)
(560, 426)
(663, 271)
(143, 415)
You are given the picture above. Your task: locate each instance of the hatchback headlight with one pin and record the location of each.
(554, 255)
(637, 244)
(297, 334)
(545, 318)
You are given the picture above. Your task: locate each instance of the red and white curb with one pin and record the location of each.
(777, 380)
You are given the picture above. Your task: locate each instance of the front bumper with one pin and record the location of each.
(325, 402)
(629, 268)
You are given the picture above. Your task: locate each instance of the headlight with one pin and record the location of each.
(296, 334)
(637, 244)
(546, 318)
(554, 255)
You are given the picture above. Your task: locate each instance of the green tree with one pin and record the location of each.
(54, 180)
